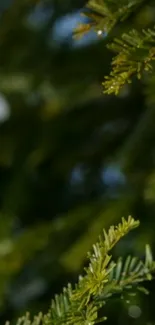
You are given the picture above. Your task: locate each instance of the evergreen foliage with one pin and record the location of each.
(58, 140)
(103, 279)
(135, 49)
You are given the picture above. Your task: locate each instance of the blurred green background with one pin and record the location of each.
(72, 160)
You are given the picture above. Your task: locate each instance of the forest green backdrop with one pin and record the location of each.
(72, 160)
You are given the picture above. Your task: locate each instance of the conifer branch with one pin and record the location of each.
(103, 278)
(136, 53)
(135, 50)
(105, 14)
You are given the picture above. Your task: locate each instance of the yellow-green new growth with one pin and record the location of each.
(135, 50)
(136, 53)
(102, 279)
